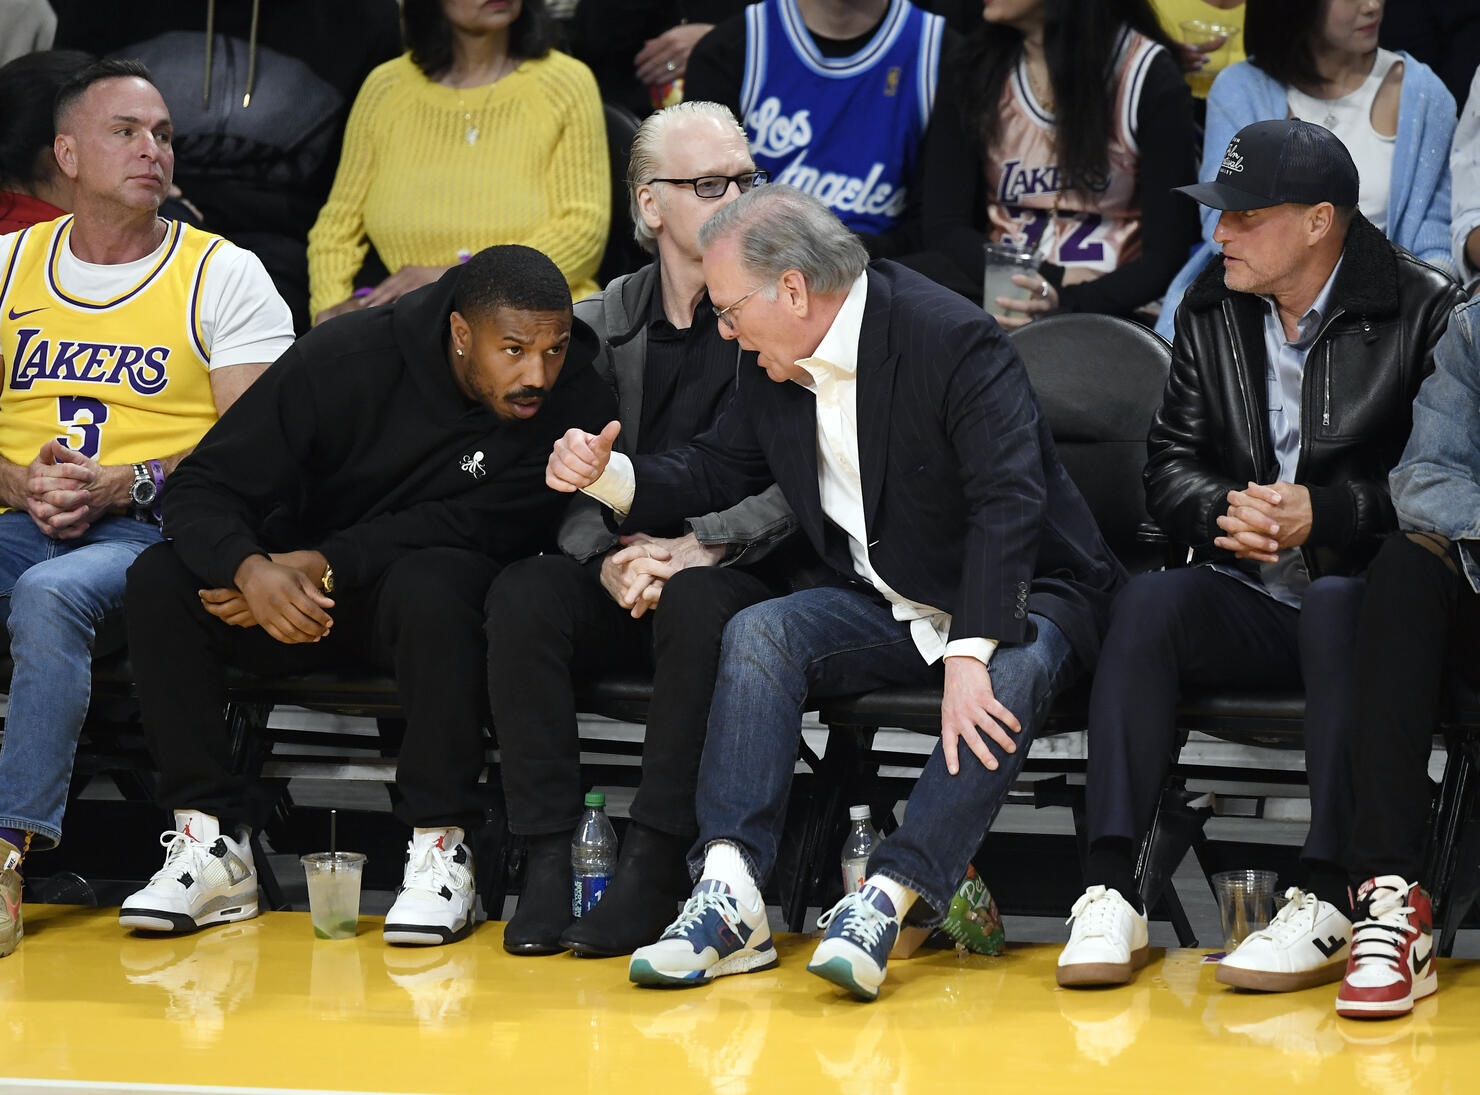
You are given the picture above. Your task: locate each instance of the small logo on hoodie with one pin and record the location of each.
(473, 465)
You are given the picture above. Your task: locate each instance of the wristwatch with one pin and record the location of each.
(144, 491)
(326, 583)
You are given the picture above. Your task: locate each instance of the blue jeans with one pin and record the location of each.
(53, 594)
(833, 642)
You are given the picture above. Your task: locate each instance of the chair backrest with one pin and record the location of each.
(622, 255)
(1100, 381)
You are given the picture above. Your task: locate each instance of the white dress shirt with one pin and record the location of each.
(833, 373)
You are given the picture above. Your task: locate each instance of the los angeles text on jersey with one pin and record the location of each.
(141, 367)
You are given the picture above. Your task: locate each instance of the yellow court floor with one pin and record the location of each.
(85, 1005)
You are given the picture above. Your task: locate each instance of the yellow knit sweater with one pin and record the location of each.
(410, 179)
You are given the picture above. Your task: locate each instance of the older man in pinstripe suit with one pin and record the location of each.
(905, 436)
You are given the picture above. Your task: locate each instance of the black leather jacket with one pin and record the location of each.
(1387, 310)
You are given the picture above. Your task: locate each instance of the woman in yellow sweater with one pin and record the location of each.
(481, 134)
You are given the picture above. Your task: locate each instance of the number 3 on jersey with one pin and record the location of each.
(82, 418)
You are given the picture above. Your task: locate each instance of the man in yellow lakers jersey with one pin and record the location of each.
(122, 338)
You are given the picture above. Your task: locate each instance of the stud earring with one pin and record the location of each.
(459, 353)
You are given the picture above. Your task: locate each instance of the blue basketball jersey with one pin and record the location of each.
(847, 130)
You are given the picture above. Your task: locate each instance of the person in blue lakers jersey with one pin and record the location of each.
(122, 338)
(835, 96)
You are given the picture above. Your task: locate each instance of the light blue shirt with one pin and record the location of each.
(1286, 578)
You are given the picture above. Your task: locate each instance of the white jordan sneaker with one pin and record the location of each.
(207, 878)
(435, 902)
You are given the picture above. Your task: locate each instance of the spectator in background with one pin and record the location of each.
(836, 96)
(639, 49)
(32, 186)
(1464, 165)
(25, 27)
(1027, 149)
(1318, 60)
(481, 134)
(259, 112)
(1443, 34)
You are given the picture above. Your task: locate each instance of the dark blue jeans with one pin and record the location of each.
(833, 642)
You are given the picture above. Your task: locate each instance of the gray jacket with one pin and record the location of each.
(618, 315)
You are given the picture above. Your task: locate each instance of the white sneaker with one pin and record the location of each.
(207, 878)
(1305, 945)
(1107, 943)
(435, 902)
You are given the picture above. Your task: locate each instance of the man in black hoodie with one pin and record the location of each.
(353, 511)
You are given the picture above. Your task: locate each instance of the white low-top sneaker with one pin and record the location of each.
(435, 902)
(1107, 940)
(1305, 945)
(207, 878)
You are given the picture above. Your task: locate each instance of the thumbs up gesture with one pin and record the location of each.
(579, 458)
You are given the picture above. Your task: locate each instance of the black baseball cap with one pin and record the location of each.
(1284, 160)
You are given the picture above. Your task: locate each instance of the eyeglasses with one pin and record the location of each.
(714, 186)
(723, 314)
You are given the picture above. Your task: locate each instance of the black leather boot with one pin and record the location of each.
(642, 899)
(543, 910)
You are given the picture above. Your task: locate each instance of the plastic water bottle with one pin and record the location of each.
(860, 843)
(593, 855)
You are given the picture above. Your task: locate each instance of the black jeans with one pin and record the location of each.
(1196, 626)
(1419, 618)
(422, 621)
(550, 622)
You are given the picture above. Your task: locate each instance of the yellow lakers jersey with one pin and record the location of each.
(122, 380)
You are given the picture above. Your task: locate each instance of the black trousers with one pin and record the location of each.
(550, 622)
(1197, 627)
(422, 621)
(1420, 617)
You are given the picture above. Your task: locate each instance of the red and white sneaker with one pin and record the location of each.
(1391, 963)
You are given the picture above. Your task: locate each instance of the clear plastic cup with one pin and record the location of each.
(1218, 38)
(1245, 903)
(334, 892)
(1003, 261)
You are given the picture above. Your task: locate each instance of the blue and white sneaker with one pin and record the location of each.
(715, 934)
(861, 931)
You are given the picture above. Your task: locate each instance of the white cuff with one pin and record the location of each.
(616, 486)
(980, 649)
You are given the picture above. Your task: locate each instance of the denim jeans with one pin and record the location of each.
(831, 642)
(53, 594)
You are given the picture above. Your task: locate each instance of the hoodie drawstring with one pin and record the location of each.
(211, 49)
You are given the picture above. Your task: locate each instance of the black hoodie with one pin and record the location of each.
(359, 443)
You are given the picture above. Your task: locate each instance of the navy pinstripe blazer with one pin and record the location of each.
(967, 506)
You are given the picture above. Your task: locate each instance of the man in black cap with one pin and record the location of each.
(1296, 360)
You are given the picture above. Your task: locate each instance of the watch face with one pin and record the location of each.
(143, 492)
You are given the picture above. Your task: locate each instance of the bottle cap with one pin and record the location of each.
(859, 813)
(596, 799)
